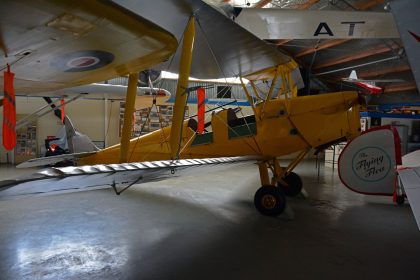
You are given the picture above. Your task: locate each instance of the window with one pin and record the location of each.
(224, 91)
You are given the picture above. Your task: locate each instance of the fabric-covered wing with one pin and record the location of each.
(100, 90)
(238, 52)
(409, 176)
(89, 176)
(410, 179)
(42, 161)
(58, 44)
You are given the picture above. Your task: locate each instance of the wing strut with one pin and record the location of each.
(117, 192)
(181, 96)
(130, 101)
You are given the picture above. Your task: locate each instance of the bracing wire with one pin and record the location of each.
(109, 120)
(224, 75)
(160, 82)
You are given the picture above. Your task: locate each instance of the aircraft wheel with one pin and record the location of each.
(270, 200)
(400, 199)
(294, 185)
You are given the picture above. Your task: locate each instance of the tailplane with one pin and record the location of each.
(79, 145)
(78, 142)
(353, 75)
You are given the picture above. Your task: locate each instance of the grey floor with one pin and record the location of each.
(206, 227)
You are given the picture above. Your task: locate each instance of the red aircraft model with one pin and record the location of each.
(369, 85)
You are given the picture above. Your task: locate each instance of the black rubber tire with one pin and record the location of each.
(270, 200)
(400, 199)
(294, 185)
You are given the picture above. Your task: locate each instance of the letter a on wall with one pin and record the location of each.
(9, 111)
(323, 29)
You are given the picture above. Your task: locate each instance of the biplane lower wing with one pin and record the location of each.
(410, 179)
(64, 179)
(53, 159)
(409, 176)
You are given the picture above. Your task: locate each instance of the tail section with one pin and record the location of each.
(370, 169)
(79, 146)
(53, 160)
(353, 75)
(78, 142)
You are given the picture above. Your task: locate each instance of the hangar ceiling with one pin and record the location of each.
(326, 61)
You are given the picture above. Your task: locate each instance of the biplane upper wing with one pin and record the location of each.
(58, 44)
(222, 48)
(51, 45)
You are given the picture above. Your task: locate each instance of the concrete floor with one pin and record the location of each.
(207, 228)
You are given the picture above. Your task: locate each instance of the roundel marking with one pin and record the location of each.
(81, 61)
(84, 61)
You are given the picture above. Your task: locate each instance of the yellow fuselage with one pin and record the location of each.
(279, 127)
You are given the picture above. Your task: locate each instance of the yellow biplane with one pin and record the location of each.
(89, 41)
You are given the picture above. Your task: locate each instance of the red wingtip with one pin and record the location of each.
(417, 37)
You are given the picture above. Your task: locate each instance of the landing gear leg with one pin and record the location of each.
(291, 184)
(285, 179)
(269, 199)
(400, 196)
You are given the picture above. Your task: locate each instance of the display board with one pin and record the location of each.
(149, 119)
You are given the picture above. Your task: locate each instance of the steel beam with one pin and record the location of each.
(369, 74)
(359, 65)
(401, 87)
(322, 46)
(383, 71)
(360, 55)
(306, 5)
(283, 42)
(367, 4)
(261, 3)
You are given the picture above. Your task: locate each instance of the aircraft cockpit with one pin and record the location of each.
(225, 125)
